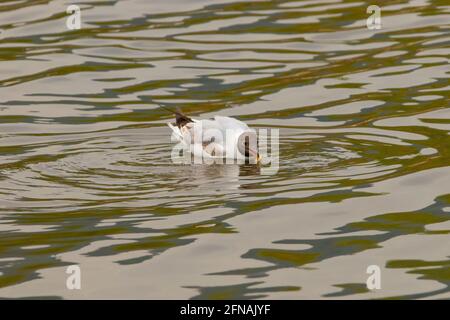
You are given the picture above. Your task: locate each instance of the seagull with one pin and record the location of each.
(218, 138)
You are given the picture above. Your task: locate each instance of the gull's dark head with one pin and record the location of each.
(248, 145)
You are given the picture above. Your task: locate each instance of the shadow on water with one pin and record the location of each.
(85, 170)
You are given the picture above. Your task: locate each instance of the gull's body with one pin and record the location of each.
(220, 137)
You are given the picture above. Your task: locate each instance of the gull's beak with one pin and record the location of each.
(255, 154)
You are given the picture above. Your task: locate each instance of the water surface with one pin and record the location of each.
(85, 170)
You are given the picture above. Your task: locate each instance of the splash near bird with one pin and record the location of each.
(218, 138)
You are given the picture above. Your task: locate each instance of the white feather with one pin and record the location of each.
(225, 130)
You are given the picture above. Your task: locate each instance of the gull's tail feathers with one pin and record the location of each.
(180, 119)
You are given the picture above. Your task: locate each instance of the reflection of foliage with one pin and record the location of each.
(348, 289)
(429, 270)
(344, 162)
(392, 225)
(238, 291)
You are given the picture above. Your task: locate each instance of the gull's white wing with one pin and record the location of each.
(231, 123)
(208, 137)
(205, 138)
(205, 131)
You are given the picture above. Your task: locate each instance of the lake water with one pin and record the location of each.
(364, 150)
